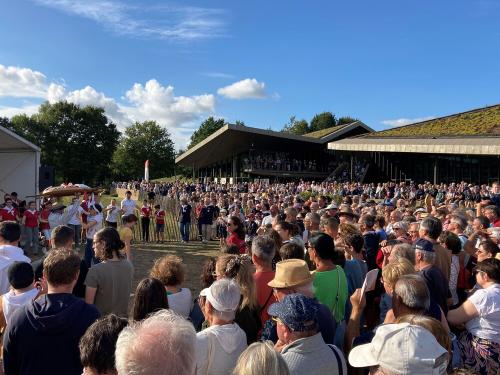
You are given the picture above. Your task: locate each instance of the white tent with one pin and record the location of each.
(19, 165)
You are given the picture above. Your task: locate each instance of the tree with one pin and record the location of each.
(207, 128)
(297, 127)
(239, 123)
(346, 120)
(141, 142)
(322, 121)
(78, 141)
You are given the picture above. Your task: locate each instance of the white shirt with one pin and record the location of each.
(8, 255)
(94, 228)
(181, 302)
(112, 216)
(487, 324)
(73, 220)
(128, 206)
(218, 349)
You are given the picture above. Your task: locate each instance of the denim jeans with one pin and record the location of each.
(184, 229)
(31, 244)
(89, 256)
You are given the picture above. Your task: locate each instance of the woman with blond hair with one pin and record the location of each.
(261, 358)
(239, 269)
(171, 271)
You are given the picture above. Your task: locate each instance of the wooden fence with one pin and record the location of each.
(172, 232)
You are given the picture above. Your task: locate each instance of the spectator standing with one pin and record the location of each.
(300, 343)
(185, 219)
(126, 234)
(10, 232)
(128, 205)
(42, 337)
(93, 225)
(112, 213)
(147, 345)
(109, 283)
(145, 220)
(219, 346)
(30, 221)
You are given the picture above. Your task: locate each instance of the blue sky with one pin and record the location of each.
(386, 63)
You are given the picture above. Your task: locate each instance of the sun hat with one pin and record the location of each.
(224, 295)
(424, 245)
(332, 206)
(290, 273)
(403, 349)
(347, 211)
(297, 312)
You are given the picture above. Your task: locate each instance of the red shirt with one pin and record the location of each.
(265, 294)
(234, 240)
(10, 214)
(496, 223)
(85, 206)
(160, 217)
(31, 219)
(44, 215)
(145, 212)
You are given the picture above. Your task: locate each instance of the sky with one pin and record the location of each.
(387, 63)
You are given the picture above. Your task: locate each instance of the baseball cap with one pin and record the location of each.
(20, 275)
(402, 348)
(224, 295)
(296, 311)
(424, 245)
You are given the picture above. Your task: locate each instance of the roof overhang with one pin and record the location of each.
(461, 146)
(345, 129)
(233, 139)
(11, 142)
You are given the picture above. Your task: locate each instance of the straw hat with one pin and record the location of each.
(347, 211)
(290, 273)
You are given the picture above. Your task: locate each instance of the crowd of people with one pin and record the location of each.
(288, 292)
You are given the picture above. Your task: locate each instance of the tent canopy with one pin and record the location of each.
(19, 165)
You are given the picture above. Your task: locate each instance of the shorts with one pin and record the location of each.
(160, 227)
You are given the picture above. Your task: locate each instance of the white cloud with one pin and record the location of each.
(405, 121)
(248, 88)
(21, 82)
(9, 112)
(163, 22)
(151, 101)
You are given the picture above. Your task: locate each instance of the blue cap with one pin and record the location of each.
(424, 245)
(297, 312)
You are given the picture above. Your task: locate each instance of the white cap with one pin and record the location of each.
(224, 295)
(403, 349)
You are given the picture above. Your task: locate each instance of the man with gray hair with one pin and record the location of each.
(263, 250)
(143, 348)
(457, 225)
(402, 250)
(219, 346)
(434, 278)
(430, 229)
(412, 296)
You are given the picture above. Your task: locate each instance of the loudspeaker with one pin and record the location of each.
(46, 177)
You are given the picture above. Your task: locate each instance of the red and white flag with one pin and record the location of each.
(146, 171)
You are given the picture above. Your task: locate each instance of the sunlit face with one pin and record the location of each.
(482, 254)
(98, 247)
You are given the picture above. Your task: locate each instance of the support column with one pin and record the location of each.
(435, 172)
(234, 168)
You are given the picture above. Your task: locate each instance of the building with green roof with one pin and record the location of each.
(459, 147)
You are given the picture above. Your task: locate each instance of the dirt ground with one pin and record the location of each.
(193, 254)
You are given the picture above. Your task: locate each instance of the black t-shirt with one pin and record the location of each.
(207, 215)
(438, 286)
(185, 214)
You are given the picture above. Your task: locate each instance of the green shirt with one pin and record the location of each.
(330, 288)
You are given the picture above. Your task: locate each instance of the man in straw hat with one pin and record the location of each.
(293, 276)
(346, 214)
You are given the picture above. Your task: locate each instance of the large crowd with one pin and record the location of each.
(311, 278)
